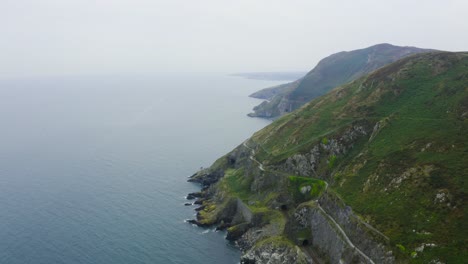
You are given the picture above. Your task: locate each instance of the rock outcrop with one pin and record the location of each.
(275, 253)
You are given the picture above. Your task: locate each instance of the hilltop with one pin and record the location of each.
(330, 72)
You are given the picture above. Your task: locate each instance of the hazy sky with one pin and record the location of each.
(53, 37)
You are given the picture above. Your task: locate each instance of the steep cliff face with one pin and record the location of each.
(372, 172)
(332, 71)
(339, 234)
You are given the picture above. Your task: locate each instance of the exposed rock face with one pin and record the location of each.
(414, 174)
(277, 103)
(270, 253)
(255, 234)
(235, 232)
(206, 177)
(339, 234)
(328, 239)
(369, 240)
(306, 164)
(194, 195)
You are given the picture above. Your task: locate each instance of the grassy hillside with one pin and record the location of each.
(391, 145)
(343, 67)
(407, 175)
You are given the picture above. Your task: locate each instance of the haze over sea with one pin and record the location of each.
(94, 169)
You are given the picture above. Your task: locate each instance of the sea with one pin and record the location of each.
(93, 169)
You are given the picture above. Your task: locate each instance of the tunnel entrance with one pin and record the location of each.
(305, 242)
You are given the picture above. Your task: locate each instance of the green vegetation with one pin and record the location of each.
(305, 188)
(325, 140)
(331, 161)
(303, 234)
(392, 145)
(419, 150)
(277, 241)
(235, 183)
(401, 248)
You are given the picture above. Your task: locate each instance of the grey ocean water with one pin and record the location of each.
(94, 169)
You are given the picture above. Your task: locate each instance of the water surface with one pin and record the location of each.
(94, 169)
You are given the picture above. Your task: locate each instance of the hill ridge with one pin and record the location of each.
(331, 71)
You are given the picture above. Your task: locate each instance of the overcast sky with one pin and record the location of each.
(55, 37)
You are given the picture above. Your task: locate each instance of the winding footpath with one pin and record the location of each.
(348, 241)
(252, 154)
(343, 233)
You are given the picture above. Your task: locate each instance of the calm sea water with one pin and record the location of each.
(94, 169)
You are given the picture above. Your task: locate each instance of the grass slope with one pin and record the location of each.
(408, 176)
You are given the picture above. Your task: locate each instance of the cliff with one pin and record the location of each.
(372, 172)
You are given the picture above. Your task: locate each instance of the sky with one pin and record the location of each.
(76, 37)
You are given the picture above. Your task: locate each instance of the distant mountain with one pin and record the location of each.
(271, 76)
(375, 171)
(332, 71)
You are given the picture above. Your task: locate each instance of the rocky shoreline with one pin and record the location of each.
(314, 231)
(351, 177)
